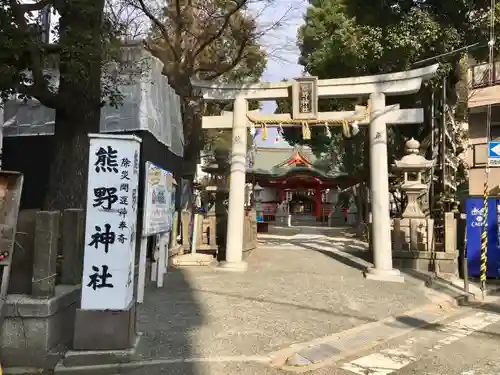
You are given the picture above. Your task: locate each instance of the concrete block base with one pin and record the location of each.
(438, 262)
(189, 260)
(36, 331)
(233, 266)
(393, 276)
(105, 329)
(96, 361)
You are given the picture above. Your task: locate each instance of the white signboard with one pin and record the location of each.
(110, 231)
(494, 154)
(159, 200)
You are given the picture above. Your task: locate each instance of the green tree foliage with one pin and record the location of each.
(77, 54)
(206, 39)
(342, 38)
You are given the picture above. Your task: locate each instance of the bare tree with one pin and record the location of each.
(129, 21)
(206, 39)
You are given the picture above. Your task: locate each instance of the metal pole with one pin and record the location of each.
(433, 126)
(443, 141)
(1, 133)
(465, 268)
(195, 232)
(196, 206)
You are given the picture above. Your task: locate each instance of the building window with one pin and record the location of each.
(481, 77)
(495, 131)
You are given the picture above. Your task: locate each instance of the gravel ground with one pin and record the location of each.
(299, 286)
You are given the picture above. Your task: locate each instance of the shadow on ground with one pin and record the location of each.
(421, 324)
(345, 247)
(166, 321)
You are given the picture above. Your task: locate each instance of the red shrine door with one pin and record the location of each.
(315, 208)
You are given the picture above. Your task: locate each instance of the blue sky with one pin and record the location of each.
(280, 43)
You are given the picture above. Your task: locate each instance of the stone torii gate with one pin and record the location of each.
(310, 88)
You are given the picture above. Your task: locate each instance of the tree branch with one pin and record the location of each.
(32, 91)
(178, 27)
(227, 19)
(161, 26)
(224, 68)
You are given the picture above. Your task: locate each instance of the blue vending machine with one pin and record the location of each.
(474, 209)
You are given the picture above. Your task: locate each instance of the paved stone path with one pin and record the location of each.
(302, 284)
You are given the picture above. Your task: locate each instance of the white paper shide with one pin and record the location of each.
(159, 200)
(110, 232)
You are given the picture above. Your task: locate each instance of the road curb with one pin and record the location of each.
(327, 350)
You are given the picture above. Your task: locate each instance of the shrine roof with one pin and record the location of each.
(268, 159)
(289, 172)
(293, 164)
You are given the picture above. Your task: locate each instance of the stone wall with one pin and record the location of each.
(249, 233)
(44, 290)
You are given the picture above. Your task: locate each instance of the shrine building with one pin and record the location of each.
(289, 174)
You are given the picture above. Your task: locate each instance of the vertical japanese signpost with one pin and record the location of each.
(159, 208)
(111, 219)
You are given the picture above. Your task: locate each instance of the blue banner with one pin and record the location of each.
(475, 223)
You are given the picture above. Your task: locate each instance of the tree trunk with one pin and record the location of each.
(192, 115)
(67, 186)
(79, 99)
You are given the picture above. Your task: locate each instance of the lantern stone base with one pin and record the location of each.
(439, 262)
(190, 260)
(105, 329)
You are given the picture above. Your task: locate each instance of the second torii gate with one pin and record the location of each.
(305, 94)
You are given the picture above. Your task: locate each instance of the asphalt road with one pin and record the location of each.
(467, 344)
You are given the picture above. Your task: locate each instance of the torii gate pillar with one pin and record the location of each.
(236, 210)
(379, 184)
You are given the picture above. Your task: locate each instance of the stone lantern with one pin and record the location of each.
(412, 234)
(413, 165)
(217, 191)
(218, 188)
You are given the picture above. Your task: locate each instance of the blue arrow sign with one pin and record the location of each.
(494, 150)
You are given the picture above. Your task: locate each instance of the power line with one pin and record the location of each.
(446, 54)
